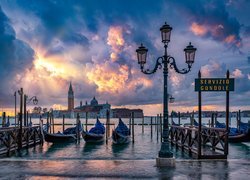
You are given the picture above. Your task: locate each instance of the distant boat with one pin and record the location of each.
(95, 134)
(59, 137)
(121, 134)
(237, 135)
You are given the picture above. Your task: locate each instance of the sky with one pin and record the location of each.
(46, 44)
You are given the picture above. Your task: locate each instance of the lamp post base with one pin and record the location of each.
(165, 162)
(165, 152)
(165, 156)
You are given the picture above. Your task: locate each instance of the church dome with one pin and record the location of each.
(94, 102)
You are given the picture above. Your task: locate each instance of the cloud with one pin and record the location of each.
(15, 57)
(213, 69)
(199, 30)
(210, 19)
(237, 74)
(115, 40)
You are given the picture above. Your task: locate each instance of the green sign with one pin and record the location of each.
(214, 84)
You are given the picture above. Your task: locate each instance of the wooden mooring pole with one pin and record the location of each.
(50, 122)
(24, 110)
(212, 123)
(133, 128)
(20, 119)
(227, 118)
(161, 127)
(3, 119)
(107, 125)
(199, 127)
(63, 126)
(77, 128)
(142, 129)
(130, 122)
(15, 108)
(151, 127)
(86, 122)
(179, 118)
(157, 125)
(53, 121)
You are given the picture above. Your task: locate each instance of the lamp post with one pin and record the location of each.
(166, 61)
(15, 107)
(27, 100)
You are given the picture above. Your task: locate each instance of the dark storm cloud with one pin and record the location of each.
(247, 31)
(61, 18)
(15, 57)
(213, 15)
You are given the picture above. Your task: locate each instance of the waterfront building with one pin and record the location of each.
(93, 110)
(126, 113)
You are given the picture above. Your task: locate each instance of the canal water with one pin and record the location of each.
(105, 161)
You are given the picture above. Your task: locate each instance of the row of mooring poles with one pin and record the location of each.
(158, 127)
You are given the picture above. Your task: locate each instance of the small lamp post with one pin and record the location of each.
(27, 100)
(171, 99)
(166, 61)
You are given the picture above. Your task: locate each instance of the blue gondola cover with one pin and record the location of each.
(98, 129)
(122, 128)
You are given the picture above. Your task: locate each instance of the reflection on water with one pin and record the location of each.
(118, 149)
(124, 169)
(120, 161)
(197, 170)
(90, 147)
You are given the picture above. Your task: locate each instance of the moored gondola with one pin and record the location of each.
(237, 135)
(95, 134)
(121, 134)
(65, 137)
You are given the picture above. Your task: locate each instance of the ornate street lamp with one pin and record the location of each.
(164, 61)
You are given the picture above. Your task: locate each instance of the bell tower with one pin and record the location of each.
(70, 98)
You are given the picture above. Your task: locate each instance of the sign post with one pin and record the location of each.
(215, 85)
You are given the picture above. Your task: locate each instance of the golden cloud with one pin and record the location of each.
(113, 78)
(198, 30)
(115, 40)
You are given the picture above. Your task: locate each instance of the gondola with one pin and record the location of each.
(95, 134)
(121, 134)
(237, 135)
(59, 137)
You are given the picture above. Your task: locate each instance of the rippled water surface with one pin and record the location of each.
(58, 161)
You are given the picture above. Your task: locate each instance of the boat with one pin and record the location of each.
(237, 135)
(121, 134)
(175, 124)
(59, 137)
(95, 134)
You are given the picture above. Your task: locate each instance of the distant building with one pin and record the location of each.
(126, 113)
(93, 109)
(70, 98)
